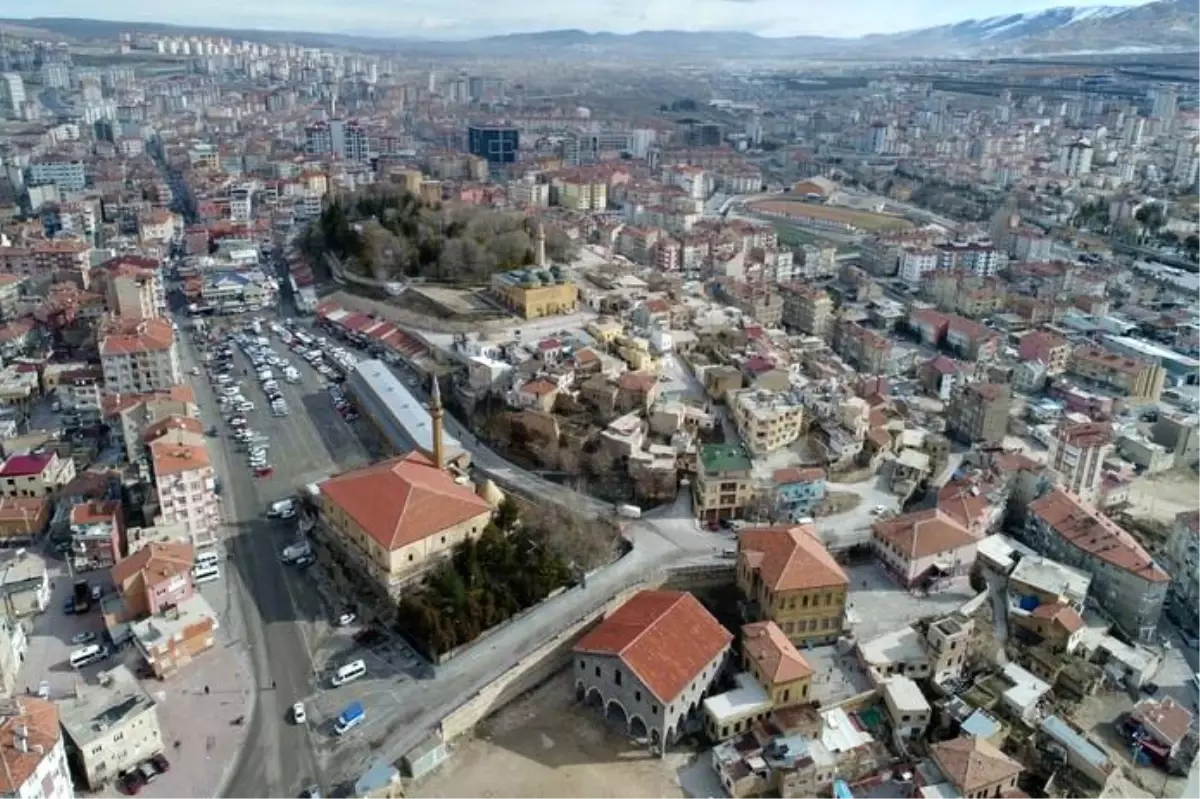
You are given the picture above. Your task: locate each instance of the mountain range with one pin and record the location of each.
(1155, 27)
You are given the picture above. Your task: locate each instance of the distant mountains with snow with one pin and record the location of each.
(1155, 27)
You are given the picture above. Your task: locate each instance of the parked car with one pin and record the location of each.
(83, 638)
(264, 471)
(298, 714)
(160, 763)
(131, 782)
(346, 619)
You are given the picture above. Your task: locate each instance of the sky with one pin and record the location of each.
(454, 19)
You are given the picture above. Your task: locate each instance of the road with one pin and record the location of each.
(271, 607)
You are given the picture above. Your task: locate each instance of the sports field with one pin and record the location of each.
(863, 220)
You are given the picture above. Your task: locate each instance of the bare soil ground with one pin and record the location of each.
(545, 744)
(1162, 496)
(864, 220)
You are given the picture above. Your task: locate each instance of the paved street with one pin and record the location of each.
(276, 615)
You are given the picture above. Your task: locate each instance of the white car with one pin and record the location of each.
(298, 714)
(346, 619)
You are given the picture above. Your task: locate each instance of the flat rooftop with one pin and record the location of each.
(1051, 576)
(159, 629)
(96, 708)
(748, 698)
(905, 645)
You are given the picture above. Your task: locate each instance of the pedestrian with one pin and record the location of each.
(206, 690)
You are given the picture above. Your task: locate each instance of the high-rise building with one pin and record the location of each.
(1164, 103)
(496, 143)
(12, 93)
(1077, 158)
(1077, 453)
(56, 75)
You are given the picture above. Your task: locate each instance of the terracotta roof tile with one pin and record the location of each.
(973, 763)
(790, 558)
(777, 658)
(923, 533)
(1060, 613)
(155, 563)
(419, 500)
(666, 638)
(1167, 720)
(1096, 534)
(38, 719)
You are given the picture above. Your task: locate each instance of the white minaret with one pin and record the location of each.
(541, 245)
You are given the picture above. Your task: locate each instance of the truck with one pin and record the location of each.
(83, 596)
(629, 511)
(351, 717)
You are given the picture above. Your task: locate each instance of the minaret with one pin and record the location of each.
(435, 414)
(541, 246)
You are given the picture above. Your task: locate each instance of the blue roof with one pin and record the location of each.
(980, 725)
(378, 776)
(1062, 732)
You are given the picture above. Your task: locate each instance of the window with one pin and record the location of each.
(804, 601)
(654, 710)
(617, 676)
(637, 696)
(787, 694)
(597, 671)
(582, 665)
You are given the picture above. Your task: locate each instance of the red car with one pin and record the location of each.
(264, 471)
(131, 782)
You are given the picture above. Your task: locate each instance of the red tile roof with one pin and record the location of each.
(666, 638)
(1096, 534)
(421, 500)
(1168, 721)
(38, 719)
(155, 563)
(777, 658)
(923, 533)
(790, 558)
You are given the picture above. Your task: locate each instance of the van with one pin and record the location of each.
(205, 574)
(348, 719)
(349, 673)
(85, 656)
(207, 557)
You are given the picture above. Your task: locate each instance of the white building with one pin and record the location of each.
(1077, 453)
(12, 93)
(139, 355)
(111, 726)
(184, 479)
(31, 750)
(67, 175)
(915, 264)
(1076, 159)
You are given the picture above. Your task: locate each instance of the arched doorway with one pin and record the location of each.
(580, 692)
(615, 714)
(595, 700)
(637, 728)
(655, 738)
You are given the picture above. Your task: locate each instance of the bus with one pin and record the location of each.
(205, 574)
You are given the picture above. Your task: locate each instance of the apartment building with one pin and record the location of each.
(32, 754)
(133, 288)
(1126, 581)
(97, 531)
(394, 543)
(1049, 348)
(978, 413)
(915, 264)
(38, 474)
(1077, 453)
(758, 301)
(183, 476)
(1184, 554)
(1131, 377)
(650, 663)
(129, 415)
(110, 726)
(65, 259)
(806, 309)
(724, 483)
(579, 193)
(864, 349)
(791, 579)
(978, 258)
(767, 420)
(68, 175)
(138, 355)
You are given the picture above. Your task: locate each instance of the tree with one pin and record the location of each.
(1151, 216)
(507, 515)
(1192, 245)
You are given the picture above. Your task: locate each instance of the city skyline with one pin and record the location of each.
(464, 19)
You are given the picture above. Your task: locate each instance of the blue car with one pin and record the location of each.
(69, 607)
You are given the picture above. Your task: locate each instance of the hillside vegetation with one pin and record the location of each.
(386, 233)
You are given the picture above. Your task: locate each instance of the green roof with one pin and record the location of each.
(725, 458)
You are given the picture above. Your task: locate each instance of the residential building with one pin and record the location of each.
(915, 264)
(798, 492)
(138, 355)
(157, 606)
(68, 175)
(134, 288)
(724, 483)
(31, 751)
(1077, 453)
(110, 727)
(776, 664)
(649, 663)
(863, 348)
(23, 519)
(975, 767)
(1179, 434)
(39, 474)
(1159, 726)
(1185, 576)
(14, 644)
(1126, 581)
(24, 582)
(97, 532)
(1130, 377)
(767, 420)
(806, 309)
(183, 476)
(978, 413)
(791, 579)
(906, 706)
(130, 415)
(924, 546)
(396, 542)
(1049, 348)
(534, 293)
